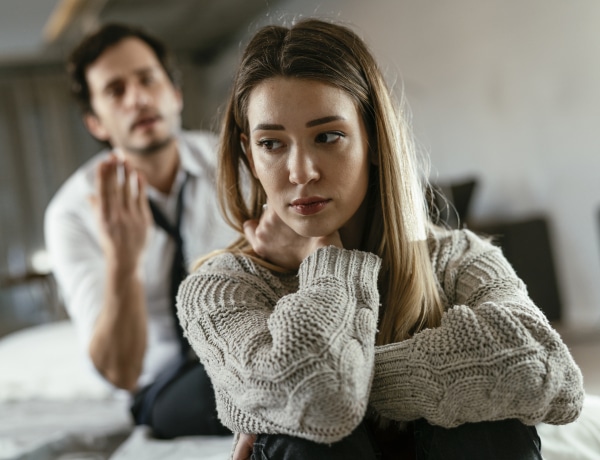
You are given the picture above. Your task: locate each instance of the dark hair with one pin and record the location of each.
(92, 47)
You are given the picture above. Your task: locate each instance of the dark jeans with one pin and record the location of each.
(503, 440)
(180, 402)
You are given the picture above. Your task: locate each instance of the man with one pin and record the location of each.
(122, 227)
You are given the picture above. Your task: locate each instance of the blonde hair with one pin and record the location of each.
(317, 50)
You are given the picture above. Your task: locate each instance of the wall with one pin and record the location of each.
(506, 91)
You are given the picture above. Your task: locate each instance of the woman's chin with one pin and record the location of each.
(314, 226)
(311, 231)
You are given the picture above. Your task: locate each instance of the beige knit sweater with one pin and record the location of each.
(296, 354)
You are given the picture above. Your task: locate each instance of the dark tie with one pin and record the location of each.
(178, 269)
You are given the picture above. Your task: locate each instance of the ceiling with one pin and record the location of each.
(33, 31)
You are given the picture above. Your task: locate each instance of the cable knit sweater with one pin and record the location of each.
(295, 354)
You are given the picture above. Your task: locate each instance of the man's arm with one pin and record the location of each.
(96, 261)
(118, 342)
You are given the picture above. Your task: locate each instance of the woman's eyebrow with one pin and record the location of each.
(321, 121)
(309, 124)
(269, 127)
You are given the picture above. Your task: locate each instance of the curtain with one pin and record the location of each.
(42, 141)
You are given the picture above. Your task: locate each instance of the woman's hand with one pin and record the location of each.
(243, 448)
(273, 240)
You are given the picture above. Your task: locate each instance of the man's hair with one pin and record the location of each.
(95, 44)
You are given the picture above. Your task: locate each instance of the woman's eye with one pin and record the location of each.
(269, 144)
(327, 138)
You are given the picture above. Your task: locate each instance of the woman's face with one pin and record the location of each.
(308, 147)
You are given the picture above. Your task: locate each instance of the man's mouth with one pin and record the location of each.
(145, 122)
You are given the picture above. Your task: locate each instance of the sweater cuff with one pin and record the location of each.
(363, 267)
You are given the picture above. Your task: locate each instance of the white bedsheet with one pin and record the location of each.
(53, 408)
(52, 430)
(45, 362)
(140, 445)
(579, 440)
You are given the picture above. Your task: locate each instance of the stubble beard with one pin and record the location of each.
(153, 148)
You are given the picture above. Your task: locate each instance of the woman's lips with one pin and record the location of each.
(308, 206)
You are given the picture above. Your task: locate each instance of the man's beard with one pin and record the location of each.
(152, 148)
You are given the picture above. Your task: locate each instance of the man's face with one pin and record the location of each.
(135, 106)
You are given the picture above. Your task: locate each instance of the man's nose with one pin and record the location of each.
(303, 167)
(137, 96)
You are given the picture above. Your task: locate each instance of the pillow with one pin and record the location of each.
(44, 362)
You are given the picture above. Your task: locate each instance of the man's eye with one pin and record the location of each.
(269, 144)
(147, 80)
(326, 138)
(115, 92)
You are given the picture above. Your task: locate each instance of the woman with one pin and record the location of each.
(343, 323)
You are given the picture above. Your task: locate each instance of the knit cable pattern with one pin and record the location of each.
(296, 354)
(494, 357)
(286, 359)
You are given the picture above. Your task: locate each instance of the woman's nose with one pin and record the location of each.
(303, 167)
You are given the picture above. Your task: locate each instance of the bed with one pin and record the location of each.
(53, 408)
(50, 406)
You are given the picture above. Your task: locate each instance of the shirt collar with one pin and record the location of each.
(187, 165)
(187, 161)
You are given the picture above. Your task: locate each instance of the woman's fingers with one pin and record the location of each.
(273, 240)
(250, 227)
(243, 448)
(264, 233)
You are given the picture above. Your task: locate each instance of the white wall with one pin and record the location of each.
(508, 91)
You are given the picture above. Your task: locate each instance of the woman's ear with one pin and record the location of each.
(245, 145)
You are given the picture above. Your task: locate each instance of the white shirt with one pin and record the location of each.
(72, 240)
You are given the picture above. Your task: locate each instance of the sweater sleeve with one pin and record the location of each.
(494, 356)
(298, 364)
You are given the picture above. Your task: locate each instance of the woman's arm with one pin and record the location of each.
(281, 359)
(494, 357)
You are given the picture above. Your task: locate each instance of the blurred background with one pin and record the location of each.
(505, 99)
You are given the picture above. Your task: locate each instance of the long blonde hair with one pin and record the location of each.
(318, 50)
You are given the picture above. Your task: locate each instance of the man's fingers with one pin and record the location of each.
(125, 185)
(141, 196)
(103, 199)
(93, 201)
(106, 178)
